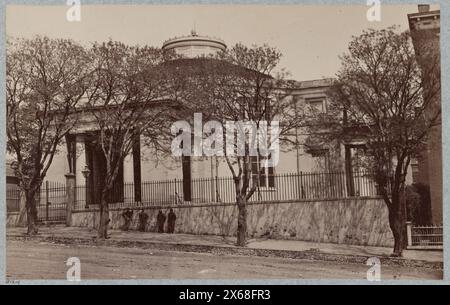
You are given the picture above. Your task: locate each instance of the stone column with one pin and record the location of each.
(128, 178)
(70, 197)
(409, 232)
(81, 161)
(137, 168)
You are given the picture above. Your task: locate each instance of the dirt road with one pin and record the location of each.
(38, 260)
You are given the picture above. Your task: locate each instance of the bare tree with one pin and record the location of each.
(45, 80)
(241, 85)
(126, 99)
(383, 95)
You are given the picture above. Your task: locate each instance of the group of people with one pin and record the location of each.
(143, 219)
(161, 219)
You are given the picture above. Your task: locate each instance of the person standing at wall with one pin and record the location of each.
(128, 217)
(143, 218)
(160, 220)
(171, 221)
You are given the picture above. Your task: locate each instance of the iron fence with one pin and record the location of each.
(51, 202)
(12, 200)
(427, 236)
(277, 188)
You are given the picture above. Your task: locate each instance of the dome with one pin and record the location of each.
(194, 45)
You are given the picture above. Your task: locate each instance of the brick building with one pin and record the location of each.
(425, 31)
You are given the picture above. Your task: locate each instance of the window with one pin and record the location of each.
(359, 157)
(320, 160)
(317, 105)
(266, 175)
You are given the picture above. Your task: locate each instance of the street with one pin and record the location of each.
(41, 260)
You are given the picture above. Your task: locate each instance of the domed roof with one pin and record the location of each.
(194, 45)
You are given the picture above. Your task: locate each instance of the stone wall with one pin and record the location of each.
(13, 219)
(359, 221)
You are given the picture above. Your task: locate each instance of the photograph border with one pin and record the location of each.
(445, 68)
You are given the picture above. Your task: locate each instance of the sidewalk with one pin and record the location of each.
(134, 238)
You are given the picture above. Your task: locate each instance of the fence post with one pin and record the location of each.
(47, 203)
(409, 232)
(217, 188)
(176, 193)
(70, 197)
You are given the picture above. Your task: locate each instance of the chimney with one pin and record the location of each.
(424, 8)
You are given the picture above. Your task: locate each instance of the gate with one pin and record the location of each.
(51, 207)
(425, 237)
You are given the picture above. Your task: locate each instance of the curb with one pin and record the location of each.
(313, 255)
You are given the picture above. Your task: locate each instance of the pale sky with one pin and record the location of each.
(309, 37)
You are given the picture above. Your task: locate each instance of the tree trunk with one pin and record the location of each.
(242, 222)
(31, 213)
(22, 219)
(397, 230)
(104, 216)
(397, 223)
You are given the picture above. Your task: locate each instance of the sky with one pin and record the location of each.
(310, 37)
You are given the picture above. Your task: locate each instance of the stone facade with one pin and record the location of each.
(358, 221)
